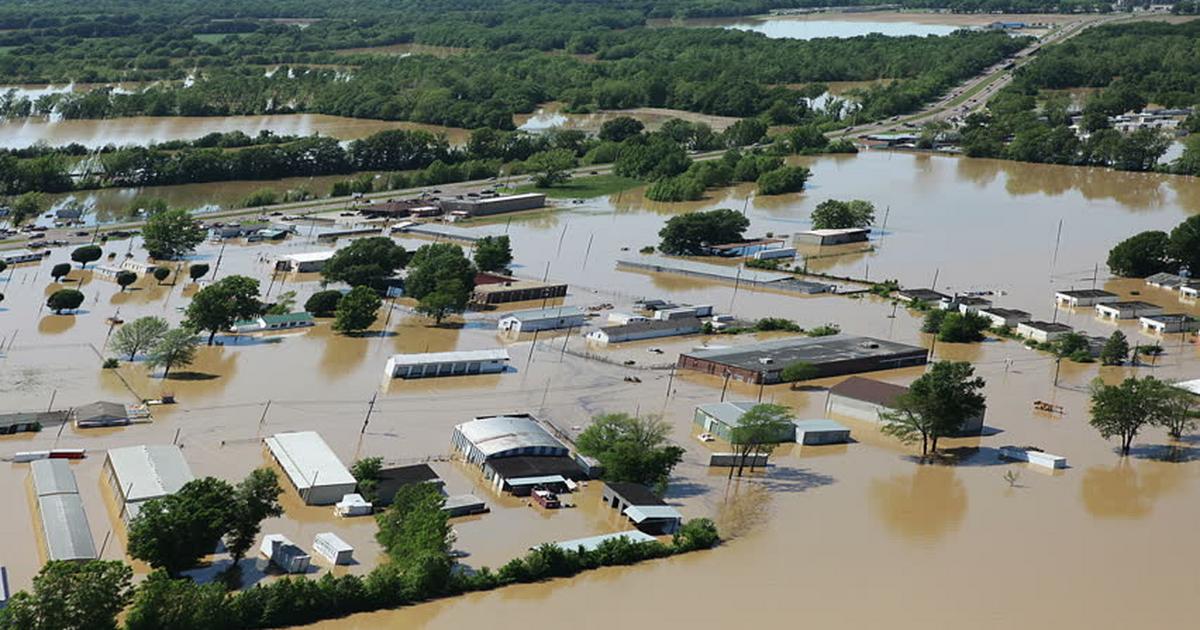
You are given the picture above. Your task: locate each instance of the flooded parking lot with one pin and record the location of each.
(837, 536)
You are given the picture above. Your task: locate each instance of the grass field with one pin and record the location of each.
(585, 187)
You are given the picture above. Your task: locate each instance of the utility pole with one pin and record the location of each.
(263, 418)
(725, 386)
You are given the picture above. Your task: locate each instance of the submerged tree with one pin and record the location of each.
(256, 498)
(1116, 349)
(86, 254)
(1123, 410)
(217, 306)
(171, 233)
(936, 405)
(139, 335)
(758, 431)
(357, 310)
(64, 300)
(833, 214)
(176, 348)
(173, 533)
(635, 449)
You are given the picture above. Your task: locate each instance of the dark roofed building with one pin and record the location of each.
(831, 356)
(639, 504)
(1085, 297)
(29, 420)
(921, 295)
(520, 475)
(390, 480)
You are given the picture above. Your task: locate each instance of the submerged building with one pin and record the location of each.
(65, 529)
(137, 474)
(515, 452)
(314, 470)
(830, 356)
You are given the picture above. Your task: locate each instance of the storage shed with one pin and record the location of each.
(284, 554)
(308, 262)
(1127, 310)
(820, 431)
(314, 469)
(864, 399)
(1044, 332)
(839, 236)
(543, 319)
(333, 548)
(649, 329)
(1085, 297)
(1170, 323)
(592, 543)
(460, 363)
(101, 413)
(645, 509)
(722, 418)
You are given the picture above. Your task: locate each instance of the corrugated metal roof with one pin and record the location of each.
(817, 425)
(641, 513)
(310, 256)
(591, 543)
(536, 481)
(869, 390)
(307, 459)
(148, 472)
(1191, 386)
(728, 272)
(52, 476)
(497, 434)
(65, 527)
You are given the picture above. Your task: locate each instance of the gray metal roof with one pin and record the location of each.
(497, 434)
(461, 356)
(52, 476)
(149, 472)
(728, 272)
(101, 409)
(814, 350)
(817, 425)
(640, 513)
(308, 460)
(545, 313)
(728, 413)
(65, 527)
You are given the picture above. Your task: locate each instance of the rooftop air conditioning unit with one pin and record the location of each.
(766, 360)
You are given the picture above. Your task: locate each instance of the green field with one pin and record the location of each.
(585, 187)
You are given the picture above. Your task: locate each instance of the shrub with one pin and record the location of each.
(111, 363)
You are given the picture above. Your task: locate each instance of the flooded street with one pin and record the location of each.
(845, 536)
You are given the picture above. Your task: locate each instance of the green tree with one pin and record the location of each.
(1184, 245)
(798, 371)
(197, 271)
(833, 214)
(179, 604)
(161, 273)
(745, 132)
(1123, 410)
(962, 327)
(64, 300)
(1140, 255)
(125, 278)
(60, 271)
(437, 266)
(651, 158)
(323, 303)
(414, 525)
(139, 335)
(366, 473)
(357, 310)
(1116, 349)
(256, 498)
(27, 206)
(174, 532)
(493, 253)
(217, 306)
(171, 233)
(1180, 411)
(698, 533)
(176, 348)
(620, 128)
(784, 179)
(689, 234)
(366, 262)
(450, 297)
(283, 304)
(936, 405)
(631, 449)
(71, 596)
(758, 431)
(86, 254)
(551, 167)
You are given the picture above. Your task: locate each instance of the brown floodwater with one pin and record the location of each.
(827, 533)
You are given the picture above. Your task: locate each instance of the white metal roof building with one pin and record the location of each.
(543, 319)
(304, 262)
(463, 362)
(494, 437)
(592, 543)
(313, 468)
(65, 528)
(140, 473)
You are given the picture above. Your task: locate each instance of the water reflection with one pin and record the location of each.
(923, 506)
(1128, 489)
(56, 324)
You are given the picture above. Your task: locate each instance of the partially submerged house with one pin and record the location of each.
(494, 288)
(639, 504)
(927, 296)
(101, 413)
(1044, 332)
(314, 470)
(1085, 297)
(740, 249)
(592, 543)
(543, 319)
(839, 236)
(308, 262)
(1165, 280)
(820, 431)
(865, 399)
(1169, 323)
(1127, 310)
(1001, 317)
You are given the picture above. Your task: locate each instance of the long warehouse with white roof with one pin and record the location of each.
(65, 528)
(140, 473)
(314, 469)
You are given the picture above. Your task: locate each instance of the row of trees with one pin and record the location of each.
(1123, 410)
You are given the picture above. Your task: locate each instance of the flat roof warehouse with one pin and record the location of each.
(831, 356)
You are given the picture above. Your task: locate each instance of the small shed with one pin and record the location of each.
(646, 510)
(1127, 310)
(1170, 323)
(352, 505)
(1044, 332)
(820, 431)
(464, 505)
(543, 319)
(832, 236)
(1085, 297)
(333, 548)
(1001, 317)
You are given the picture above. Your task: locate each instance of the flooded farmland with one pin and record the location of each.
(839, 536)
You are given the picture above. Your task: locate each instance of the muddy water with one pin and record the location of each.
(822, 529)
(553, 115)
(855, 24)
